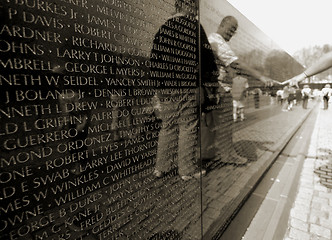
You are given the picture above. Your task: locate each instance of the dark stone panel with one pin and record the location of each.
(234, 141)
(111, 111)
(81, 131)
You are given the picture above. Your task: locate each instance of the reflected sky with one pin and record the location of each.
(291, 24)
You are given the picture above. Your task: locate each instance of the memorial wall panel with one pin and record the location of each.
(116, 122)
(235, 132)
(97, 95)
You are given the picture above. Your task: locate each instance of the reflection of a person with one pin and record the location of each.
(229, 66)
(239, 88)
(178, 110)
(79, 122)
(256, 97)
(77, 118)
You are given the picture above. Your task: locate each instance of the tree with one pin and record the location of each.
(307, 56)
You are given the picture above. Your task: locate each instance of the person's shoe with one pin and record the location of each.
(195, 175)
(199, 174)
(157, 173)
(186, 178)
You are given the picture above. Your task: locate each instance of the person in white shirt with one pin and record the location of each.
(306, 91)
(326, 92)
(229, 67)
(239, 89)
(280, 92)
(285, 96)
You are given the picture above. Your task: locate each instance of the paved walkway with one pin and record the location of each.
(226, 186)
(311, 213)
(301, 200)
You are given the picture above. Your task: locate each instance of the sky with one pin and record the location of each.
(292, 24)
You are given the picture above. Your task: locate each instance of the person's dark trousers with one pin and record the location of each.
(305, 102)
(217, 136)
(256, 100)
(326, 102)
(225, 133)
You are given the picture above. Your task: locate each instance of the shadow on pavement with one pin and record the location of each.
(248, 149)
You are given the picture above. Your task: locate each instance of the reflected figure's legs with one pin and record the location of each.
(235, 110)
(225, 134)
(178, 137)
(188, 147)
(241, 110)
(167, 142)
(238, 109)
(188, 151)
(209, 136)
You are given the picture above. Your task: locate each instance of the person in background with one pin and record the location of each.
(326, 93)
(298, 96)
(322, 64)
(229, 67)
(306, 92)
(279, 96)
(291, 98)
(256, 97)
(285, 95)
(273, 95)
(239, 90)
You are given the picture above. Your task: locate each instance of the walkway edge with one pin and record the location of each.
(278, 201)
(267, 159)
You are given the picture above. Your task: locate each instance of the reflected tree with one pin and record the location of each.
(254, 59)
(279, 65)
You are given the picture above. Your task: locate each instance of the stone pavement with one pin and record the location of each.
(311, 213)
(226, 187)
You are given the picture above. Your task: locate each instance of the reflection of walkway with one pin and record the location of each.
(259, 138)
(311, 214)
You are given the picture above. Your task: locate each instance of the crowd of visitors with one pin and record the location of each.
(291, 95)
